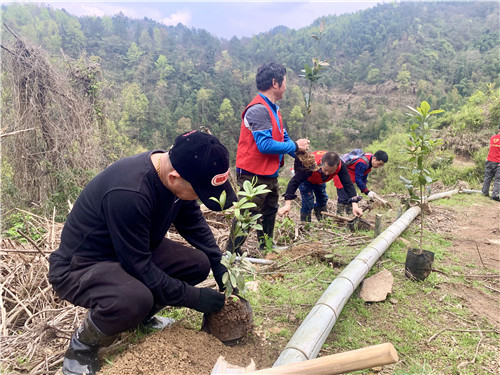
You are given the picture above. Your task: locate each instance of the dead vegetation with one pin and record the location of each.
(36, 325)
(52, 128)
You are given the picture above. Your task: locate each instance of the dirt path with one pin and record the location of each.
(476, 244)
(474, 232)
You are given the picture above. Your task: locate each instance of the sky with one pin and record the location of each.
(223, 19)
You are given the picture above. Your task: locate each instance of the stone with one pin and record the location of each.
(377, 287)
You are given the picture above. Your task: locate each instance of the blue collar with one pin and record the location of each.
(273, 106)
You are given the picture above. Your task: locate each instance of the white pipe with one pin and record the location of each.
(468, 191)
(307, 341)
(257, 260)
(445, 194)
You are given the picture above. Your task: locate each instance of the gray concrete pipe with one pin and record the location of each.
(312, 333)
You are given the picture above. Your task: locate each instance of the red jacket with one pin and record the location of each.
(352, 171)
(248, 156)
(315, 177)
(494, 153)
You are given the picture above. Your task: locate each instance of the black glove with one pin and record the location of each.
(210, 301)
(218, 278)
(355, 199)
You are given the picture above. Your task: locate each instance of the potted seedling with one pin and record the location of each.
(420, 147)
(235, 320)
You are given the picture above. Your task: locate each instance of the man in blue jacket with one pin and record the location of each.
(114, 258)
(358, 171)
(261, 148)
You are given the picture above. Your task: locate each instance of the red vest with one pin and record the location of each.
(352, 171)
(494, 152)
(248, 156)
(315, 177)
(351, 168)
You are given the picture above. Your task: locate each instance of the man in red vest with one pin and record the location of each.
(312, 184)
(492, 168)
(358, 170)
(261, 148)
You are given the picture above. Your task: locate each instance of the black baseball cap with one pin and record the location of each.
(203, 161)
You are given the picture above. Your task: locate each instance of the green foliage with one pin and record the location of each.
(163, 67)
(19, 222)
(419, 147)
(494, 117)
(445, 70)
(234, 278)
(373, 76)
(285, 231)
(243, 220)
(312, 73)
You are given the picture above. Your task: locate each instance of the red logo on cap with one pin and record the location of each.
(191, 132)
(219, 179)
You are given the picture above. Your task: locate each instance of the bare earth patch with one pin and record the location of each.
(177, 350)
(476, 243)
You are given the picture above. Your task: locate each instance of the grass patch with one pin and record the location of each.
(431, 329)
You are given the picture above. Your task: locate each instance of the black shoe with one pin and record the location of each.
(485, 194)
(496, 199)
(81, 356)
(305, 217)
(342, 209)
(318, 212)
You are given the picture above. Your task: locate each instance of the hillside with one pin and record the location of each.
(141, 83)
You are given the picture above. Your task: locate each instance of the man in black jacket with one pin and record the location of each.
(114, 258)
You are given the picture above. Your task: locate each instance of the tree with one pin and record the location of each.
(134, 108)
(202, 98)
(420, 147)
(295, 121)
(134, 53)
(184, 125)
(312, 73)
(373, 76)
(403, 79)
(163, 68)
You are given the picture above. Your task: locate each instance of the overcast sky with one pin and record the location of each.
(223, 19)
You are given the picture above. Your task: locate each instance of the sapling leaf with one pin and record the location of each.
(248, 205)
(233, 280)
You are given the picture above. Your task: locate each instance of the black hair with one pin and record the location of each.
(330, 158)
(382, 156)
(266, 73)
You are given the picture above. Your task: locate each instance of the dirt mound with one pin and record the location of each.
(178, 350)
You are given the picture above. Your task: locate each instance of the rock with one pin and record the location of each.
(253, 286)
(376, 287)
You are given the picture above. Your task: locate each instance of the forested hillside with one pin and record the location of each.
(140, 83)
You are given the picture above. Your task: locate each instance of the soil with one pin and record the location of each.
(180, 351)
(475, 235)
(233, 322)
(476, 243)
(307, 160)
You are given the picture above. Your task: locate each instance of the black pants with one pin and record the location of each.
(342, 196)
(118, 301)
(267, 205)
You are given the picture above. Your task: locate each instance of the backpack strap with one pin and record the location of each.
(365, 159)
